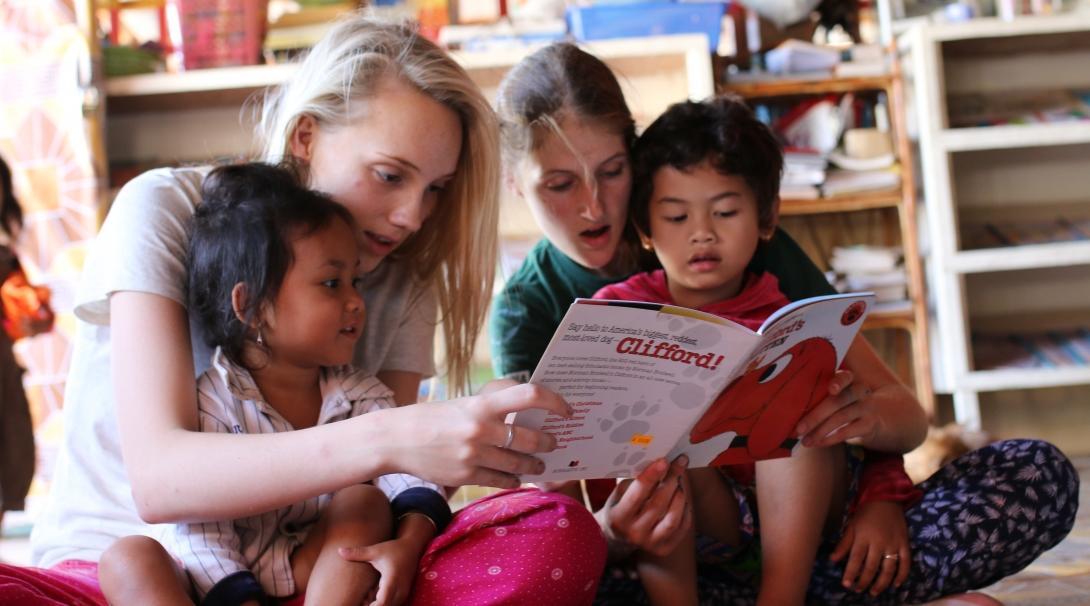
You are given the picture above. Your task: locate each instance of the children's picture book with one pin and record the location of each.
(647, 381)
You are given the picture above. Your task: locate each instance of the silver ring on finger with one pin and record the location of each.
(510, 436)
(891, 556)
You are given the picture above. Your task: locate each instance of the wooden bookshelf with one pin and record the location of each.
(765, 86)
(686, 57)
(911, 319)
(203, 88)
(903, 319)
(841, 204)
(195, 115)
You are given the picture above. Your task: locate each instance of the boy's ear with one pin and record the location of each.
(769, 229)
(301, 141)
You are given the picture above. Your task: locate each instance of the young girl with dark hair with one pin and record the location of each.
(274, 272)
(390, 126)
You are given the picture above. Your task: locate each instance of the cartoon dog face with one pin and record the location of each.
(766, 403)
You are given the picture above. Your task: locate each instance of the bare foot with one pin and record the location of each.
(966, 599)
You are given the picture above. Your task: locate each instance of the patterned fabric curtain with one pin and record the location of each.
(44, 63)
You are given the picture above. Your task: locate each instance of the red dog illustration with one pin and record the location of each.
(764, 405)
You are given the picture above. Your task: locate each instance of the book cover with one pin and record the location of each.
(648, 380)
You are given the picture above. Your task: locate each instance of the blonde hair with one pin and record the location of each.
(456, 248)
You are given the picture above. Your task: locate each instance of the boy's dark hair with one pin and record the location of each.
(721, 131)
(241, 233)
(11, 214)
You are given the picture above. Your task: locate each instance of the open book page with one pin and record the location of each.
(785, 376)
(637, 375)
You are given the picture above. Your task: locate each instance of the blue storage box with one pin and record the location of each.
(628, 20)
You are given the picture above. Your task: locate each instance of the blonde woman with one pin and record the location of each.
(392, 128)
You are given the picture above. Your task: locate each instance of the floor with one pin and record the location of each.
(1060, 577)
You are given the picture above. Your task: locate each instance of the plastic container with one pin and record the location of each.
(635, 19)
(220, 33)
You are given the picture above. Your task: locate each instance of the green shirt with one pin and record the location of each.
(526, 313)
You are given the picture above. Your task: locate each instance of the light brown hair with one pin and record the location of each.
(456, 248)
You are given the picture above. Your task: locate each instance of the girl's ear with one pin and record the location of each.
(238, 301)
(301, 142)
(645, 240)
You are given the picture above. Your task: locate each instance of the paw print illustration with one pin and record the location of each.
(628, 425)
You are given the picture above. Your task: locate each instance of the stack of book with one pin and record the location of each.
(1053, 349)
(803, 172)
(843, 182)
(796, 57)
(1017, 233)
(876, 269)
(296, 26)
(864, 163)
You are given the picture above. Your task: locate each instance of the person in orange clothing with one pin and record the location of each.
(25, 312)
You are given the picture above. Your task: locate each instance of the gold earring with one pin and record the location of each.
(648, 246)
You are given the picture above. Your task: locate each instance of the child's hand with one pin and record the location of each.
(396, 563)
(875, 531)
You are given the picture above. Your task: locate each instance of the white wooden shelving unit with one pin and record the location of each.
(1013, 174)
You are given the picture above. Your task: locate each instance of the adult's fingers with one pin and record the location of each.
(483, 476)
(841, 380)
(821, 433)
(845, 396)
(521, 397)
(525, 439)
(849, 432)
(509, 461)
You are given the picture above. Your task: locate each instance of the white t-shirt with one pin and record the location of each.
(142, 248)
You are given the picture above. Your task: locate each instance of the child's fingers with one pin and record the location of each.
(856, 557)
(386, 587)
(356, 554)
(870, 569)
(844, 545)
(887, 567)
(904, 566)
